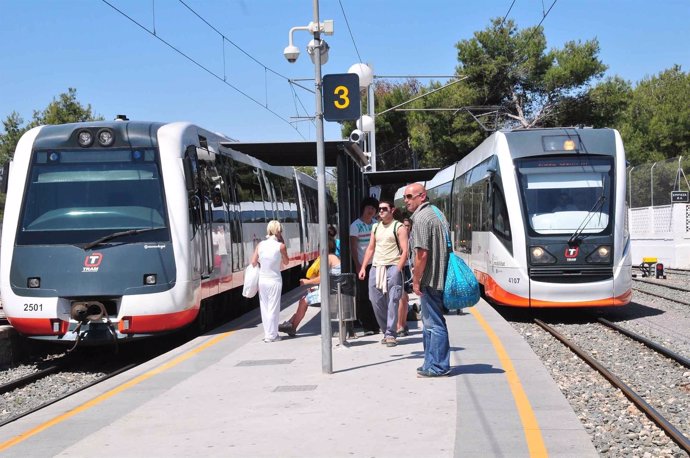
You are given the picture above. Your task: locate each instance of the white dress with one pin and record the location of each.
(270, 285)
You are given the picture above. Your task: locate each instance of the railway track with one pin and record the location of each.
(31, 378)
(42, 374)
(671, 293)
(673, 432)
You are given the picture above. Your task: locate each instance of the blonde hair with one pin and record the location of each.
(273, 228)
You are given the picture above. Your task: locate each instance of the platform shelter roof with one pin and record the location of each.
(299, 153)
(401, 177)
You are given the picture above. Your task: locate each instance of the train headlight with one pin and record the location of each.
(601, 255)
(150, 279)
(33, 282)
(539, 255)
(85, 138)
(106, 137)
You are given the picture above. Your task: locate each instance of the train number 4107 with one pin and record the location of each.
(514, 280)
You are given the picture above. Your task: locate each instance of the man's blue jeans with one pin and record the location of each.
(435, 335)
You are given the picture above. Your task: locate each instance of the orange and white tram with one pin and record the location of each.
(540, 216)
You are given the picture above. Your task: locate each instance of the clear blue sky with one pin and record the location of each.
(47, 46)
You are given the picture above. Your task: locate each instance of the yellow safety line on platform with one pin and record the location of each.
(107, 395)
(535, 441)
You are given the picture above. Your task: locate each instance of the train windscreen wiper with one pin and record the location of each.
(597, 206)
(115, 235)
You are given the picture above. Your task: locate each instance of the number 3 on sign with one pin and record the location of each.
(342, 93)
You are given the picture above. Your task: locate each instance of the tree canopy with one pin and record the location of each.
(509, 71)
(656, 123)
(512, 69)
(63, 109)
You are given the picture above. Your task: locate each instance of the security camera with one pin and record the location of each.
(356, 136)
(291, 53)
(367, 168)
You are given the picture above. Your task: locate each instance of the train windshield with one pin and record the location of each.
(81, 195)
(562, 193)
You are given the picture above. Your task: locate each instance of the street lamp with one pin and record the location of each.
(318, 51)
(366, 123)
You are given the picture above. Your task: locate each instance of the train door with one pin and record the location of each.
(270, 203)
(221, 227)
(301, 215)
(195, 208)
(208, 177)
(234, 218)
(250, 193)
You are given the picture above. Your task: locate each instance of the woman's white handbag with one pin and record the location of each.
(251, 281)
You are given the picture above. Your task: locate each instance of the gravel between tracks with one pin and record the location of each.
(617, 428)
(47, 389)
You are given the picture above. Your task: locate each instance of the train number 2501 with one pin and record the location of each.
(33, 307)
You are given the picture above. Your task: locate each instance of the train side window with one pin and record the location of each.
(290, 200)
(501, 222)
(250, 194)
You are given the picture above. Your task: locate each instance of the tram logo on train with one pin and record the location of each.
(92, 262)
(571, 253)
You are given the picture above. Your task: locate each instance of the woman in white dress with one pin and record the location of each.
(268, 254)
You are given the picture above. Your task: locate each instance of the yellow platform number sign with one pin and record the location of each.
(341, 99)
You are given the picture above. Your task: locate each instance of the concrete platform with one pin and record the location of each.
(230, 394)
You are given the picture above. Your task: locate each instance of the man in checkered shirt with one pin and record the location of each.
(430, 264)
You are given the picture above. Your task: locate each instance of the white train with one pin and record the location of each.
(540, 217)
(116, 230)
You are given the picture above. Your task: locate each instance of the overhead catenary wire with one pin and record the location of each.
(347, 23)
(507, 13)
(198, 64)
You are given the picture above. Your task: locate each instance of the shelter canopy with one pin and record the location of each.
(298, 153)
(400, 177)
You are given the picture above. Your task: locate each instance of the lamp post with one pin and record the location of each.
(367, 122)
(317, 49)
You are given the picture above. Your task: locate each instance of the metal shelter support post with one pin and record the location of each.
(372, 135)
(326, 344)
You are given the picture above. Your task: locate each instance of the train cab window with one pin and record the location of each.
(78, 196)
(561, 193)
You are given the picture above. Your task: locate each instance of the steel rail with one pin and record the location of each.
(679, 288)
(66, 395)
(678, 437)
(662, 296)
(680, 359)
(681, 271)
(27, 379)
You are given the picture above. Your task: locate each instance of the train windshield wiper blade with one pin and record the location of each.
(597, 205)
(114, 235)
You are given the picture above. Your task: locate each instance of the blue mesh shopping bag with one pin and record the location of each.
(461, 287)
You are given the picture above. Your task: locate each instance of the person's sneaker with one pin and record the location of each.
(287, 328)
(275, 339)
(429, 374)
(403, 332)
(383, 341)
(391, 342)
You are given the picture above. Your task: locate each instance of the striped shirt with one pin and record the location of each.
(429, 233)
(362, 231)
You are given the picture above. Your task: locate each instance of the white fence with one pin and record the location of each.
(662, 232)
